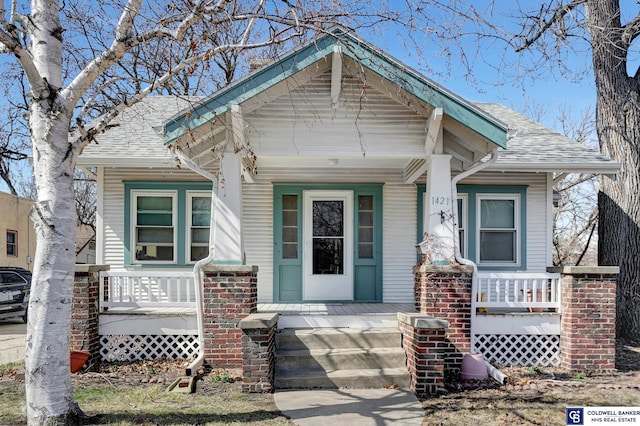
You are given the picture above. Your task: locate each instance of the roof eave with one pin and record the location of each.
(377, 61)
(560, 167)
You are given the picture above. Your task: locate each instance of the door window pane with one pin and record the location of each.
(328, 218)
(328, 237)
(365, 226)
(328, 256)
(290, 226)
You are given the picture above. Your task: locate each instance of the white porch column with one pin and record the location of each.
(229, 247)
(438, 242)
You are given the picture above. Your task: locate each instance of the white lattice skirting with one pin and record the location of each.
(121, 347)
(518, 350)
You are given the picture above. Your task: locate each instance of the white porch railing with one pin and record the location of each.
(515, 318)
(516, 291)
(147, 289)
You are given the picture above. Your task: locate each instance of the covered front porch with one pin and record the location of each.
(510, 311)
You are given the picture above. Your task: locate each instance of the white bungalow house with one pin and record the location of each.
(331, 165)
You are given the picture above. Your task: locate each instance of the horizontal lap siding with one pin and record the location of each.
(538, 225)
(257, 217)
(399, 240)
(304, 123)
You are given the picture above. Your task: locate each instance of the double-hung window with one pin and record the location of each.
(154, 217)
(12, 243)
(498, 224)
(167, 223)
(198, 226)
(462, 223)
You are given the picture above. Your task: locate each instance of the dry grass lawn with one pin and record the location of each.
(136, 395)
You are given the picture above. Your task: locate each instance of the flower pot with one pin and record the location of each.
(78, 358)
(473, 368)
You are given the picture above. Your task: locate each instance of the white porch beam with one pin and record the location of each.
(414, 170)
(336, 76)
(239, 139)
(433, 143)
(438, 241)
(237, 128)
(229, 247)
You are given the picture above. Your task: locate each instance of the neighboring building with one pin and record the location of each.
(17, 234)
(323, 156)
(85, 245)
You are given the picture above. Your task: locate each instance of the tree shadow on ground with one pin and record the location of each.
(184, 418)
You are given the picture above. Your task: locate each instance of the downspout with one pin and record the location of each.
(456, 235)
(198, 274)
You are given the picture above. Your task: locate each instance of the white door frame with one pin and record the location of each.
(327, 286)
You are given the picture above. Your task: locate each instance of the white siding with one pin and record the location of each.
(538, 224)
(399, 240)
(367, 122)
(257, 211)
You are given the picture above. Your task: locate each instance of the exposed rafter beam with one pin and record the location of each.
(336, 76)
(433, 143)
(414, 169)
(472, 140)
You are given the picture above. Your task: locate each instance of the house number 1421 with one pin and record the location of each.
(440, 201)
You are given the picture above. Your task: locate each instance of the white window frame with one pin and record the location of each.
(516, 222)
(190, 196)
(463, 224)
(135, 193)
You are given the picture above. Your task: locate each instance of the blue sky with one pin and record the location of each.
(548, 89)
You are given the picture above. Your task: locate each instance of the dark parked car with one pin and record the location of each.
(15, 284)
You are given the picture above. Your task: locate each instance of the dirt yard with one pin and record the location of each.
(135, 394)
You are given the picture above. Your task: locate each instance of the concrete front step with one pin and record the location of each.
(340, 357)
(333, 359)
(364, 320)
(338, 338)
(353, 378)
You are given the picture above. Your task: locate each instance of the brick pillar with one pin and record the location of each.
(444, 292)
(424, 342)
(588, 322)
(85, 311)
(230, 293)
(258, 352)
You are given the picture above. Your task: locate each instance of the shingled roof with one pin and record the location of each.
(538, 148)
(137, 140)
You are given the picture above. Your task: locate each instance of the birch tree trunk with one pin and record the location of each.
(618, 127)
(48, 382)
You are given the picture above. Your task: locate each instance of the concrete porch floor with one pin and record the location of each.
(352, 315)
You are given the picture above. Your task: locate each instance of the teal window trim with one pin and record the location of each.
(280, 189)
(181, 189)
(472, 231)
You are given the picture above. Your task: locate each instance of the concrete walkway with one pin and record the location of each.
(360, 407)
(12, 341)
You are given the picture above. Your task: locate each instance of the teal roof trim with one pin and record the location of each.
(244, 89)
(429, 92)
(359, 51)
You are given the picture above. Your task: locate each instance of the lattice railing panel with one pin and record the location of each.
(518, 349)
(115, 348)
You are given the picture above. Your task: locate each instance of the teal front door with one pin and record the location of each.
(327, 243)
